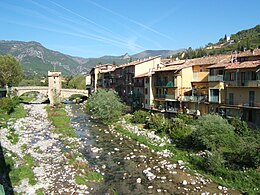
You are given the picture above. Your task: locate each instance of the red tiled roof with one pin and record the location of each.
(138, 62)
(174, 67)
(177, 62)
(218, 65)
(255, 52)
(209, 60)
(246, 64)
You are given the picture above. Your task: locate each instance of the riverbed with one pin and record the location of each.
(130, 167)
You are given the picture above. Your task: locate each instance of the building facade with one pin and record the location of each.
(225, 84)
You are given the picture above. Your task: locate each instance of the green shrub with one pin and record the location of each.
(213, 132)
(158, 123)
(140, 117)
(105, 106)
(187, 119)
(213, 162)
(178, 129)
(247, 155)
(241, 127)
(7, 104)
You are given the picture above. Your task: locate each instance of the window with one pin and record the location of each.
(220, 72)
(251, 98)
(146, 91)
(201, 68)
(147, 80)
(231, 98)
(232, 76)
(252, 75)
(145, 101)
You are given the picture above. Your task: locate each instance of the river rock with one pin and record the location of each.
(139, 180)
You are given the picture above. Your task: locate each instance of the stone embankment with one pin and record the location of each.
(52, 170)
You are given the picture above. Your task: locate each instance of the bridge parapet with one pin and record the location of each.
(64, 93)
(21, 90)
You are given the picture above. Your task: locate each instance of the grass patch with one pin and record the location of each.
(139, 138)
(61, 121)
(19, 112)
(13, 137)
(94, 176)
(39, 191)
(22, 172)
(24, 147)
(80, 180)
(91, 176)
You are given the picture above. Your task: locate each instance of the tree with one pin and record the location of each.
(10, 71)
(213, 132)
(105, 106)
(77, 82)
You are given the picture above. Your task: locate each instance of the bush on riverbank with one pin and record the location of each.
(227, 151)
(105, 106)
(174, 128)
(10, 108)
(140, 117)
(7, 104)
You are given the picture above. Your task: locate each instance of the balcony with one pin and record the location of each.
(170, 97)
(173, 110)
(244, 83)
(194, 98)
(165, 96)
(165, 84)
(160, 96)
(215, 78)
(139, 84)
(243, 103)
(214, 98)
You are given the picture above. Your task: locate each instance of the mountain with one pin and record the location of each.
(162, 53)
(37, 60)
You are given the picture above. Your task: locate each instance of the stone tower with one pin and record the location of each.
(54, 91)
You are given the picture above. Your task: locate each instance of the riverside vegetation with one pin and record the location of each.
(226, 151)
(25, 135)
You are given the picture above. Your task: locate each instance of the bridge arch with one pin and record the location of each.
(22, 90)
(66, 93)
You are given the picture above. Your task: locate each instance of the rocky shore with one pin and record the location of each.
(52, 170)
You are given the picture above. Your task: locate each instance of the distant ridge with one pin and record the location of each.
(162, 53)
(37, 59)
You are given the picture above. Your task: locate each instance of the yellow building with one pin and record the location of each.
(234, 87)
(242, 90)
(170, 84)
(199, 100)
(98, 76)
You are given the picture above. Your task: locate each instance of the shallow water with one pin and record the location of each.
(122, 161)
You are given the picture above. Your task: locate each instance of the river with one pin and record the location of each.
(131, 168)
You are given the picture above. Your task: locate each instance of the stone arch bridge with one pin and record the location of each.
(63, 94)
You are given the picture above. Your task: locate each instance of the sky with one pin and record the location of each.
(94, 28)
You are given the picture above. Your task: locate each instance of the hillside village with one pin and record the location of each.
(225, 84)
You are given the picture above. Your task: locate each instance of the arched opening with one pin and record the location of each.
(75, 98)
(33, 97)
